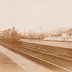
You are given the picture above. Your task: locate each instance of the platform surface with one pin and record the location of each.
(50, 43)
(12, 62)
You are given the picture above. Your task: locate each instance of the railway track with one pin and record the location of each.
(53, 61)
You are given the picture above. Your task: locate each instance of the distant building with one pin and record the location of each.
(61, 35)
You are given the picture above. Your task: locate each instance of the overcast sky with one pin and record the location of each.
(33, 14)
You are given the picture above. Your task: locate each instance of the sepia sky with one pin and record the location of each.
(30, 15)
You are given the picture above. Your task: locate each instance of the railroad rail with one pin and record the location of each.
(56, 62)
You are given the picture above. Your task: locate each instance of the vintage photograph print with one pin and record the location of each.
(35, 35)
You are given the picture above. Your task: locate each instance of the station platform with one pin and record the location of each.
(7, 65)
(12, 62)
(49, 43)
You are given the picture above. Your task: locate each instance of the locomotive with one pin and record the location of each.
(14, 35)
(10, 34)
